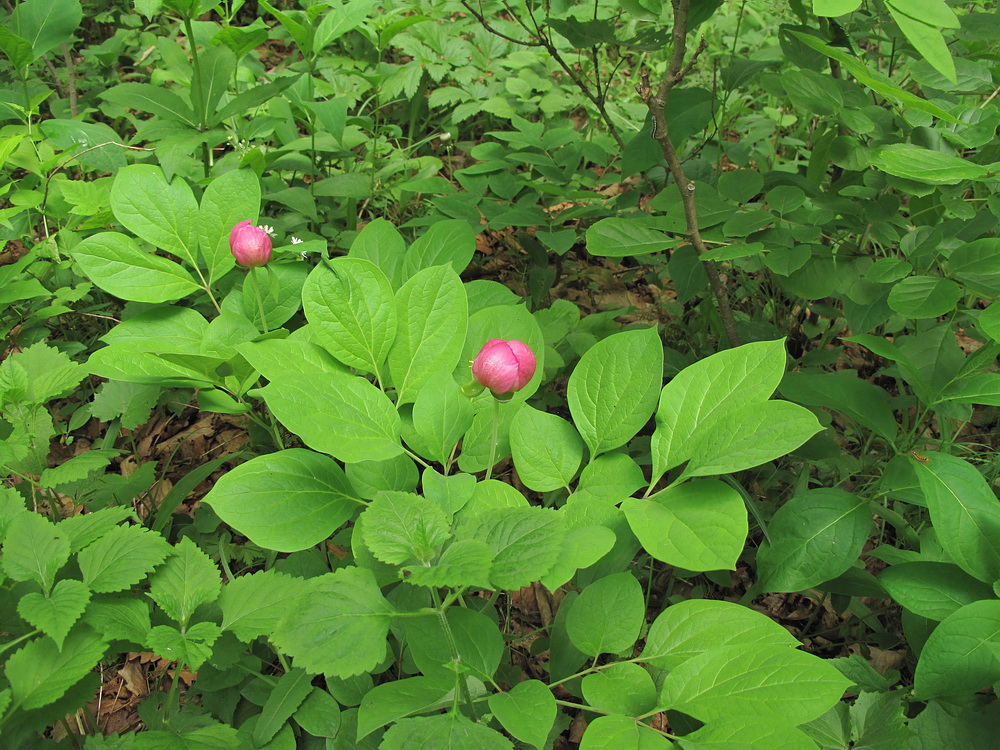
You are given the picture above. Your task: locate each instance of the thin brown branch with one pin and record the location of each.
(71, 74)
(656, 102)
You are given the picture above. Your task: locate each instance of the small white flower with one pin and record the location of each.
(296, 241)
(266, 228)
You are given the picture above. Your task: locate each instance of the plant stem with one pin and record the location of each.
(656, 102)
(260, 302)
(493, 438)
(197, 94)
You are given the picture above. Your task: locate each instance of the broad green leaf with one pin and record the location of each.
(527, 711)
(55, 614)
(34, 550)
(975, 264)
(622, 688)
(525, 542)
(964, 512)
(397, 474)
(694, 626)
(433, 315)
(147, 97)
(477, 639)
(280, 292)
(40, 672)
(774, 683)
(612, 391)
(932, 12)
(339, 626)
(122, 362)
(748, 436)
(442, 414)
(450, 241)
(607, 616)
(214, 76)
(616, 237)
(939, 726)
(340, 414)
(925, 165)
(319, 714)
(286, 696)
(402, 527)
(925, 37)
(46, 24)
(79, 467)
(98, 147)
(163, 213)
(450, 492)
(382, 244)
(583, 545)
(188, 579)
(814, 537)
(617, 732)
(924, 296)
(722, 382)
(397, 699)
(959, 657)
(253, 605)
(350, 302)
(451, 731)
(609, 478)
(115, 263)
(476, 444)
(16, 48)
(192, 648)
(121, 558)
(843, 391)
(84, 529)
(229, 199)
(834, 8)
(285, 501)
(274, 358)
(341, 19)
(547, 449)
(932, 589)
(750, 733)
(700, 525)
(161, 330)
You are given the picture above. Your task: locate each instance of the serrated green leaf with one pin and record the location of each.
(466, 562)
(525, 542)
(253, 605)
(40, 673)
(55, 614)
(402, 527)
(79, 467)
(47, 374)
(34, 550)
(119, 618)
(188, 579)
(121, 558)
(192, 648)
(340, 625)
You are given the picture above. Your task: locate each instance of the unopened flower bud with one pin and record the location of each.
(504, 366)
(251, 246)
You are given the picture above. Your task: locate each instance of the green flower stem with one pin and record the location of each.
(463, 685)
(260, 302)
(493, 438)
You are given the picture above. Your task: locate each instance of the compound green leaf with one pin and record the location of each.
(285, 501)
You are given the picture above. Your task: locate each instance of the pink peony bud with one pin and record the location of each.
(504, 366)
(251, 245)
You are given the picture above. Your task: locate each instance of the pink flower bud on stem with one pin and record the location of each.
(250, 245)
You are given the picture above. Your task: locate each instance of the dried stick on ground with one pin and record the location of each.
(656, 101)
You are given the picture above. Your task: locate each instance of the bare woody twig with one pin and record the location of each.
(656, 102)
